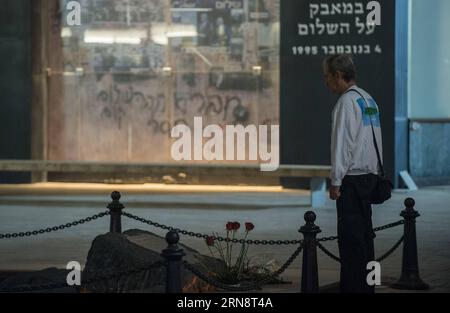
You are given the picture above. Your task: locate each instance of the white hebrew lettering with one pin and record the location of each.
(313, 9)
(348, 8)
(332, 50)
(359, 9)
(228, 5)
(348, 49)
(324, 9)
(344, 26)
(366, 49)
(313, 29)
(340, 49)
(360, 25)
(325, 49)
(332, 28)
(370, 29)
(302, 29)
(320, 27)
(336, 8)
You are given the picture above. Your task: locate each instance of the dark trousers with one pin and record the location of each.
(356, 237)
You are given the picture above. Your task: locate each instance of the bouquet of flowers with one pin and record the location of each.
(232, 267)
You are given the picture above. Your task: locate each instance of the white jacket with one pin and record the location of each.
(352, 148)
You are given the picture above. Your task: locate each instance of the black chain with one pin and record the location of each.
(332, 238)
(401, 222)
(242, 241)
(204, 236)
(249, 286)
(390, 251)
(95, 279)
(54, 228)
(380, 259)
(328, 252)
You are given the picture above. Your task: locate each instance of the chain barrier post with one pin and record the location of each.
(173, 255)
(115, 211)
(410, 279)
(310, 275)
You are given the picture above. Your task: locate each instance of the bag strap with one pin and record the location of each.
(380, 163)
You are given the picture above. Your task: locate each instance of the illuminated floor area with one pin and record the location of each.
(276, 213)
(89, 188)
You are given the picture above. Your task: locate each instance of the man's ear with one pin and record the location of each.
(339, 75)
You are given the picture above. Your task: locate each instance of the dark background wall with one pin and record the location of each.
(306, 104)
(15, 84)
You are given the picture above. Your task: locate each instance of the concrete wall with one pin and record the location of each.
(15, 84)
(429, 109)
(429, 152)
(430, 59)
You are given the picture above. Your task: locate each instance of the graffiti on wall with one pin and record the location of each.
(117, 101)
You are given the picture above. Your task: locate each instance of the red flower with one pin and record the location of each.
(230, 226)
(210, 241)
(249, 226)
(236, 226)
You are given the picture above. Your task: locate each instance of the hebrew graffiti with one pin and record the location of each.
(117, 102)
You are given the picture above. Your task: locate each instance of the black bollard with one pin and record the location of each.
(410, 279)
(173, 256)
(310, 275)
(115, 211)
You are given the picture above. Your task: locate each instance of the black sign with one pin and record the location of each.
(312, 30)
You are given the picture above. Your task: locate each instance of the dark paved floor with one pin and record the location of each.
(276, 214)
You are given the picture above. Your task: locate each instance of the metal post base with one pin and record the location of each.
(410, 282)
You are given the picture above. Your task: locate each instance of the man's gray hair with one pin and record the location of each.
(341, 63)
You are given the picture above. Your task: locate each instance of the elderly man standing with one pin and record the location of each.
(355, 128)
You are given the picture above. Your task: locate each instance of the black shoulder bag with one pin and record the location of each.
(383, 188)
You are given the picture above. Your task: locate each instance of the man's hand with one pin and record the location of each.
(335, 192)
